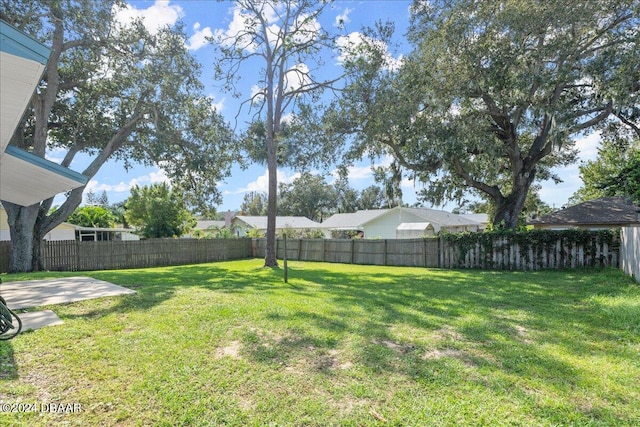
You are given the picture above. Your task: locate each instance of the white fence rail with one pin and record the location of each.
(630, 251)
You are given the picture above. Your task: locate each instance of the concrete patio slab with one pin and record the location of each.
(38, 319)
(36, 293)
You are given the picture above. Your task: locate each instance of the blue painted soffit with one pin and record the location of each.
(15, 42)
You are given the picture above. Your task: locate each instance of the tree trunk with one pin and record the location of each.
(22, 220)
(270, 258)
(508, 209)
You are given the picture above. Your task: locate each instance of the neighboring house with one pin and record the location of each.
(297, 223)
(606, 212)
(67, 231)
(25, 178)
(400, 222)
(98, 234)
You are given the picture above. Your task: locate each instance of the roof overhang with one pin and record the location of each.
(25, 179)
(22, 62)
(413, 226)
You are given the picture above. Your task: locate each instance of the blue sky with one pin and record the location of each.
(205, 18)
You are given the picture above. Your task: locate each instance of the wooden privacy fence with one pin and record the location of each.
(71, 255)
(401, 252)
(532, 250)
(515, 251)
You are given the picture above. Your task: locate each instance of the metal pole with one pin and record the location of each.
(286, 270)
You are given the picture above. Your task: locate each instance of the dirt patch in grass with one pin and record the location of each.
(322, 360)
(398, 348)
(448, 333)
(231, 350)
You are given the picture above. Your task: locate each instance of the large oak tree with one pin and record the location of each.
(112, 91)
(493, 94)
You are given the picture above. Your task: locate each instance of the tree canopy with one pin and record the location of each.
(493, 93)
(92, 216)
(158, 211)
(611, 173)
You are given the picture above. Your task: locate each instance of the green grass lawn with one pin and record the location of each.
(231, 344)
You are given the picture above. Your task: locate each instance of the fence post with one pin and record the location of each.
(324, 250)
(353, 242)
(76, 247)
(424, 252)
(384, 257)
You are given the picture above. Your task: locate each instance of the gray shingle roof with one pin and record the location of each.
(297, 222)
(353, 220)
(606, 210)
(360, 218)
(442, 218)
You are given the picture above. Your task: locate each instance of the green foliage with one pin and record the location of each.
(307, 233)
(92, 216)
(615, 172)
(158, 211)
(222, 233)
(526, 239)
(309, 196)
(287, 232)
(626, 182)
(254, 204)
(372, 197)
(254, 233)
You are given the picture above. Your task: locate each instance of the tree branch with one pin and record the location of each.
(492, 191)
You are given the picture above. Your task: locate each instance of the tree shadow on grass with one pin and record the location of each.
(487, 322)
(155, 286)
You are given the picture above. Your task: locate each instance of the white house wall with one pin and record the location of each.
(384, 227)
(61, 232)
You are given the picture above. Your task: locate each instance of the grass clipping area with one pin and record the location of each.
(231, 344)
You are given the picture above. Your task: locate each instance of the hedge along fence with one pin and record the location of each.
(532, 250)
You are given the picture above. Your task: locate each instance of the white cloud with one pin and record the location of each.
(219, 105)
(588, 146)
(296, 77)
(241, 30)
(199, 37)
(365, 171)
(55, 154)
(257, 94)
(261, 183)
(155, 17)
(122, 187)
(343, 18)
(236, 31)
(305, 29)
